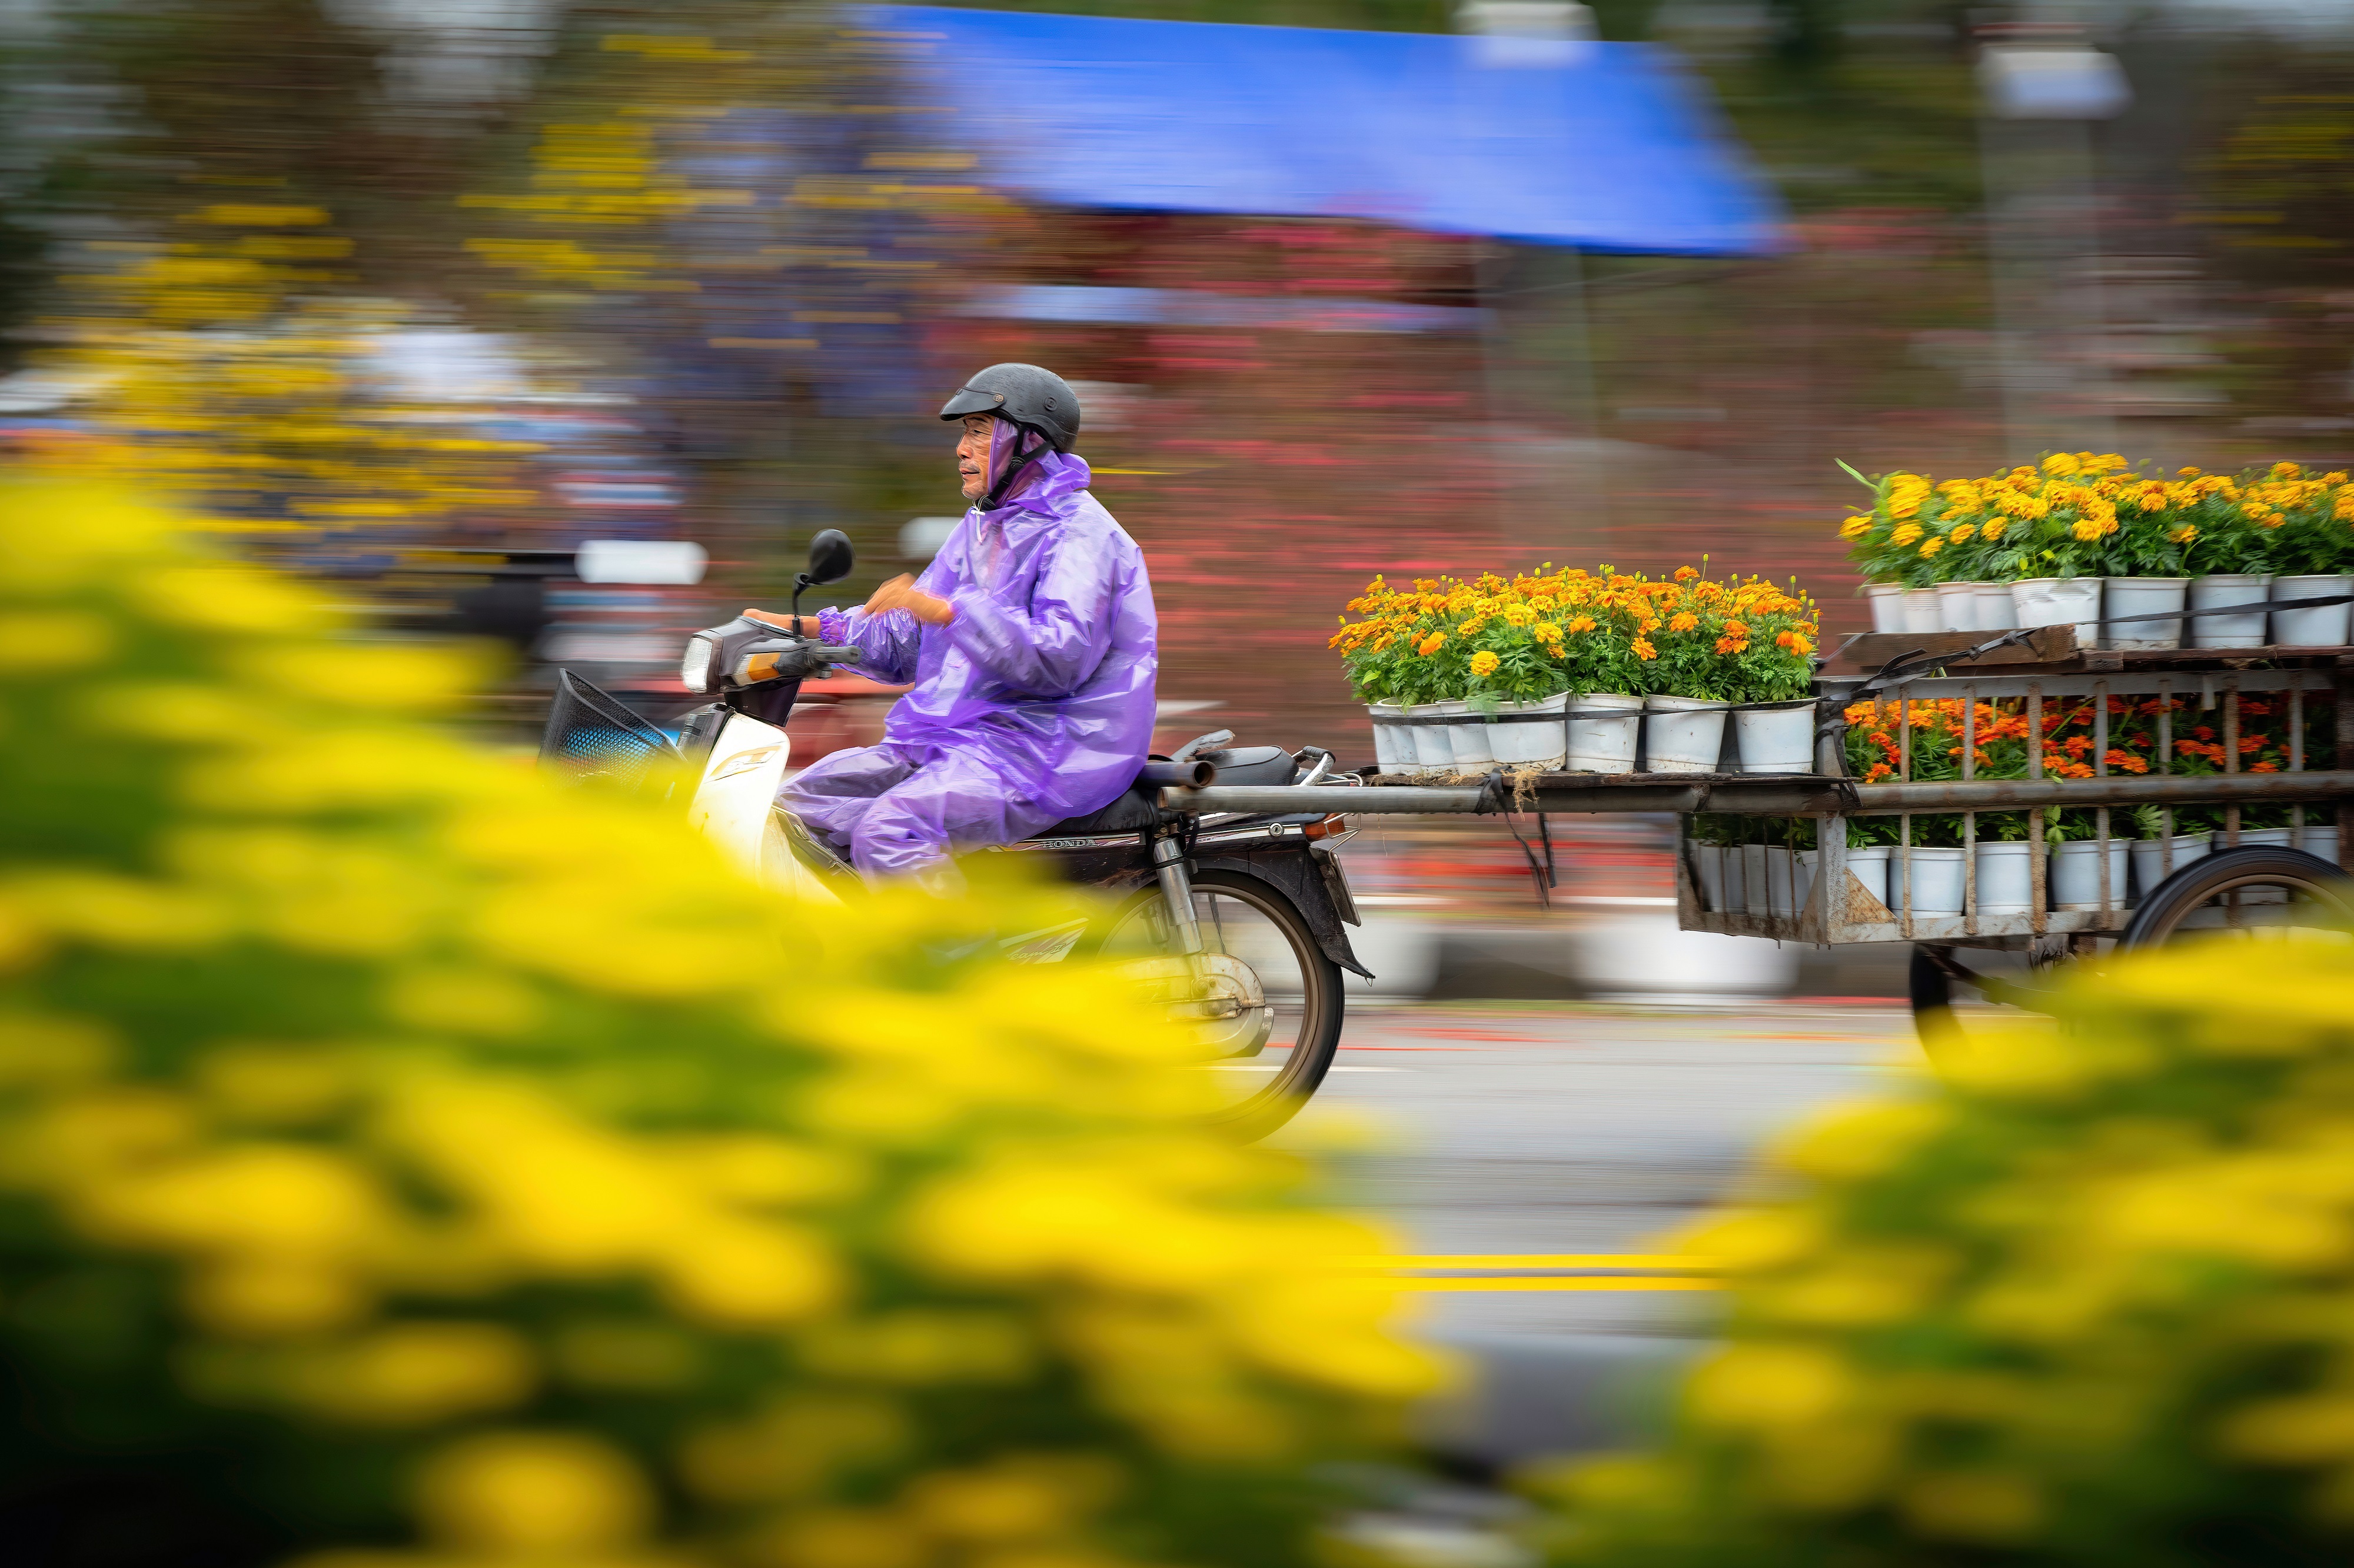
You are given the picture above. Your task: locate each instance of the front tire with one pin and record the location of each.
(1250, 920)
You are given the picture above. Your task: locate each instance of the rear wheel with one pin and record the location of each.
(1277, 997)
(2261, 892)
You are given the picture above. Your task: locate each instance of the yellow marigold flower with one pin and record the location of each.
(1483, 663)
(1931, 546)
(1855, 527)
(2336, 476)
(2288, 471)
(2060, 465)
(1964, 534)
(1431, 644)
(2184, 534)
(1643, 648)
(1905, 534)
(2086, 529)
(1993, 528)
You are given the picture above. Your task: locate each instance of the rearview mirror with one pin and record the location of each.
(830, 558)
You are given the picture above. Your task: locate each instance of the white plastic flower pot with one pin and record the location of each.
(1779, 872)
(1707, 871)
(2325, 628)
(1887, 602)
(1997, 611)
(1467, 743)
(2150, 859)
(2059, 601)
(2143, 595)
(1803, 887)
(1604, 730)
(1923, 610)
(1736, 881)
(2006, 879)
(2319, 842)
(2221, 591)
(1869, 865)
(1957, 607)
(1775, 737)
(1756, 889)
(1531, 745)
(1683, 734)
(1434, 753)
(1393, 750)
(1937, 880)
(2075, 874)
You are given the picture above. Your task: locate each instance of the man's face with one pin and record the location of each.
(972, 454)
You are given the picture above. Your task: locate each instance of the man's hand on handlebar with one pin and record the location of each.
(901, 593)
(799, 625)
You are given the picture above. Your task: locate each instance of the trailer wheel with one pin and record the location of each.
(1939, 976)
(2257, 891)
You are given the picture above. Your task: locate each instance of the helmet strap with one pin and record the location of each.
(1022, 460)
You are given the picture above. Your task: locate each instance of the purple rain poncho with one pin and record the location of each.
(1033, 704)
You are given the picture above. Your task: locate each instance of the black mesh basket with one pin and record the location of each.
(593, 738)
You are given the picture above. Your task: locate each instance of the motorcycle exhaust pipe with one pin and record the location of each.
(1177, 775)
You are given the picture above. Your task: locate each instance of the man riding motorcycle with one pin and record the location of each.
(1029, 642)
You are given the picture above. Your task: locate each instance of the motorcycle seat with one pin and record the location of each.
(1134, 809)
(1252, 765)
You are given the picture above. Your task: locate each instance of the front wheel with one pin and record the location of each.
(1278, 996)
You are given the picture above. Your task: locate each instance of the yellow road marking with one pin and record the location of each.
(1675, 1263)
(1564, 1282)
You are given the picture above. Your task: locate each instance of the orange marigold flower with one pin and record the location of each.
(1729, 645)
(1431, 644)
(1736, 630)
(1686, 574)
(1581, 623)
(2126, 760)
(2265, 766)
(1683, 620)
(1643, 648)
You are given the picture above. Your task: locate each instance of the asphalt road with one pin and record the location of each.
(1550, 1132)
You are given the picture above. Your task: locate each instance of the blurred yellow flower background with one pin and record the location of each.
(406, 1145)
(2085, 1300)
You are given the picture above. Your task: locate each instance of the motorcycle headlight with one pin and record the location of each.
(698, 670)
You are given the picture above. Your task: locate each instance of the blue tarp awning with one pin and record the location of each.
(1601, 146)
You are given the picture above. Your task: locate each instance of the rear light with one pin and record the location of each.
(1328, 828)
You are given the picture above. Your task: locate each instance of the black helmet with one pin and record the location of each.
(1033, 397)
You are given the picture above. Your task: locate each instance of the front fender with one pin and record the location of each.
(1292, 871)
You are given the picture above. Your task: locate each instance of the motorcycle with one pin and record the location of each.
(1235, 923)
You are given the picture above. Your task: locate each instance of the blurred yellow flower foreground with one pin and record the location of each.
(406, 1161)
(2090, 1301)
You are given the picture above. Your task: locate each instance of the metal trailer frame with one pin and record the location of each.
(1829, 798)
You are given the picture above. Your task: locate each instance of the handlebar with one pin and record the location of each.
(826, 653)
